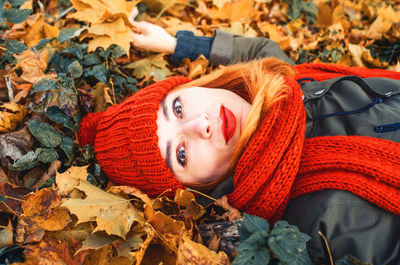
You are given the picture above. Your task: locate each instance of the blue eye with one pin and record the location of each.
(181, 155)
(177, 107)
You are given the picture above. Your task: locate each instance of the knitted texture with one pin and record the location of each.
(279, 163)
(126, 143)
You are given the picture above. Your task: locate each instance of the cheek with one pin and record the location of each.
(211, 163)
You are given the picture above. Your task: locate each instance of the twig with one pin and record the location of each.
(199, 192)
(9, 88)
(66, 11)
(13, 198)
(111, 82)
(12, 211)
(327, 247)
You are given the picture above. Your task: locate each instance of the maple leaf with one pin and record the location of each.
(69, 179)
(108, 22)
(113, 214)
(151, 66)
(41, 213)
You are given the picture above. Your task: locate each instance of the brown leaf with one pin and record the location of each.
(14, 145)
(34, 65)
(6, 236)
(101, 94)
(231, 213)
(192, 253)
(13, 198)
(197, 67)
(51, 252)
(41, 212)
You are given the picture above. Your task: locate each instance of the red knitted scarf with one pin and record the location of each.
(279, 163)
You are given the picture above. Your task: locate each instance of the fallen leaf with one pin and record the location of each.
(197, 67)
(41, 212)
(12, 197)
(48, 251)
(113, 214)
(6, 236)
(11, 116)
(14, 145)
(231, 213)
(69, 179)
(101, 94)
(220, 3)
(240, 10)
(34, 65)
(192, 253)
(151, 66)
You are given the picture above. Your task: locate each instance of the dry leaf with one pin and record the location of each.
(240, 10)
(69, 179)
(11, 116)
(6, 236)
(113, 214)
(34, 65)
(192, 253)
(41, 212)
(197, 67)
(101, 94)
(14, 145)
(231, 213)
(50, 252)
(220, 3)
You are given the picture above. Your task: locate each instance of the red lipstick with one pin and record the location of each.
(228, 125)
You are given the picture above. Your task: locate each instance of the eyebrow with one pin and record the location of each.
(168, 155)
(164, 108)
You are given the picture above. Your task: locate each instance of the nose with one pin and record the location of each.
(198, 126)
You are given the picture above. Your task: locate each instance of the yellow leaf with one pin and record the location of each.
(220, 3)
(382, 24)
(6, 236)
(113, 214)
(68, 180)
(242, 9)
(11, 115)
(150, 66)
(192, 253)
(198, 67)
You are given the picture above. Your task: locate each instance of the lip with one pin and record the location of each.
(228, 125)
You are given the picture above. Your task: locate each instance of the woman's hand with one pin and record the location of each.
(150, 37)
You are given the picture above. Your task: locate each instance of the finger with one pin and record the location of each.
(133, 14)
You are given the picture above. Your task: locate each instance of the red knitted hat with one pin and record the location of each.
(126, 143)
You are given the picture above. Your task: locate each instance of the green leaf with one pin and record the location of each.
(253, 251)
(15, 15)
(15, 46)
(117, 51)
(91, 59)
(45, 133)
(68, 146)
(2, 199)
(251, 224)
(44, 85)
(67, 33)
(16, 3)
(288, 244)
(100, 72)
(75, 69)
(55, 114)
(46, 155)
(27, 161)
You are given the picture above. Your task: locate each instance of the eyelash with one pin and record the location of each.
(177, 107)
(181, 150)
(179, 153)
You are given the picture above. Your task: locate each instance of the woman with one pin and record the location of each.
(255, 136)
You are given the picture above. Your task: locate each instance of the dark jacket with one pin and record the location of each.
(340, 106)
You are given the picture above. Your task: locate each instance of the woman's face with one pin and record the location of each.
(198, 129)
